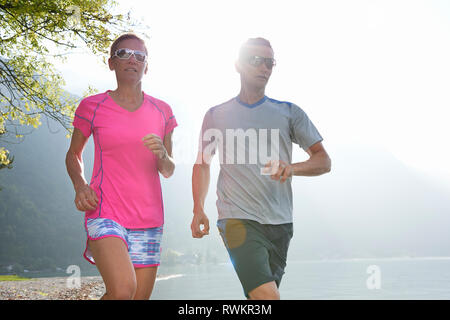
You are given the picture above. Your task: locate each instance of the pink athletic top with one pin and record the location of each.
(125, 176)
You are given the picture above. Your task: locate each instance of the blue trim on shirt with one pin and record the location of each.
(83, 118)
(164, 116)
(280, 102)
(162, 112)
(165, 125)
(251, 105)
(101, 159)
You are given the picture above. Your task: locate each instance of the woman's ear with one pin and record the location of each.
(111, 64)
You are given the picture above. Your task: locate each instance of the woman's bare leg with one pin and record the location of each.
(114, 264)
(145, 278)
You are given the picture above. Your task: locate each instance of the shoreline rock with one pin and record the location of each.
(56, 288)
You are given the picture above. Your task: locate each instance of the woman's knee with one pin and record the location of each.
(122, 291)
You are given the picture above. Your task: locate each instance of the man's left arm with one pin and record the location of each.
(318, 163)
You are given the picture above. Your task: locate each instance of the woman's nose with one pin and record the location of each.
(132, 58)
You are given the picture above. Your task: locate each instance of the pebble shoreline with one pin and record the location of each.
(91, 288)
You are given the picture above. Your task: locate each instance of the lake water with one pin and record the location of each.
(410, 278)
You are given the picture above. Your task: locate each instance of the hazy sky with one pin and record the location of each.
(366, 72)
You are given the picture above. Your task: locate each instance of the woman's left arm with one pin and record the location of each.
(166, 165)
(163, 151)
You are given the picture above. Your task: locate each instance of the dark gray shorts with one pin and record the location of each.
(258, 251)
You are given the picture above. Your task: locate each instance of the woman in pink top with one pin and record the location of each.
(123, 203)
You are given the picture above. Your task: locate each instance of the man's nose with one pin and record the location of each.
(264, 67)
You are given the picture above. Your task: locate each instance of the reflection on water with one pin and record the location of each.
(418, 278)
(400, 278)
(202, 282)
(172, 276)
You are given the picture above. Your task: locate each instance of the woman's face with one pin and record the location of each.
(129, 71)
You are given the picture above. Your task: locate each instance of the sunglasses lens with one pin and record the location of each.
(270, 63)
(140, 56)
(255, 61)
(123, 53)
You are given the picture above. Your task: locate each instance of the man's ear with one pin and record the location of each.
(146, 68)
(237, 66)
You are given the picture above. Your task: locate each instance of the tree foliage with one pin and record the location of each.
(33, 33)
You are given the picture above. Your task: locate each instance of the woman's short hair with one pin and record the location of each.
(126, 36)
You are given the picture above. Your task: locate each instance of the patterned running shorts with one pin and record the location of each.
(144, 245)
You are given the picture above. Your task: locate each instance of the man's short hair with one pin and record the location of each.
(243, 51)
(126, 36)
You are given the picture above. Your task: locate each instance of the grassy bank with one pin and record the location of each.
(12, 278)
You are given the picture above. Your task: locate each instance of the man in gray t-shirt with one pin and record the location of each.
(254, 135)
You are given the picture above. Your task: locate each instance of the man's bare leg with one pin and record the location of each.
(266, 291)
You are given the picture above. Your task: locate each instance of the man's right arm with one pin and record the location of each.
(200, 185)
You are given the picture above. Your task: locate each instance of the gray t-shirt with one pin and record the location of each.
(248, 136)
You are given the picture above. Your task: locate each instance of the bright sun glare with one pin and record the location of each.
(373, 72)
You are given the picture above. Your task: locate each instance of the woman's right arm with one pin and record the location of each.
(85, 198)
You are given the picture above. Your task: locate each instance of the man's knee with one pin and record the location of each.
(266, 291)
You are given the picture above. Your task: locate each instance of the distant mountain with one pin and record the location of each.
(370, 205)
(39, 226)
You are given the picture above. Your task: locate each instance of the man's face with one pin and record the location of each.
(129, 70)
(255, 76)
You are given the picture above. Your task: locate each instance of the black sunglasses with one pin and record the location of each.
(256, 61)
